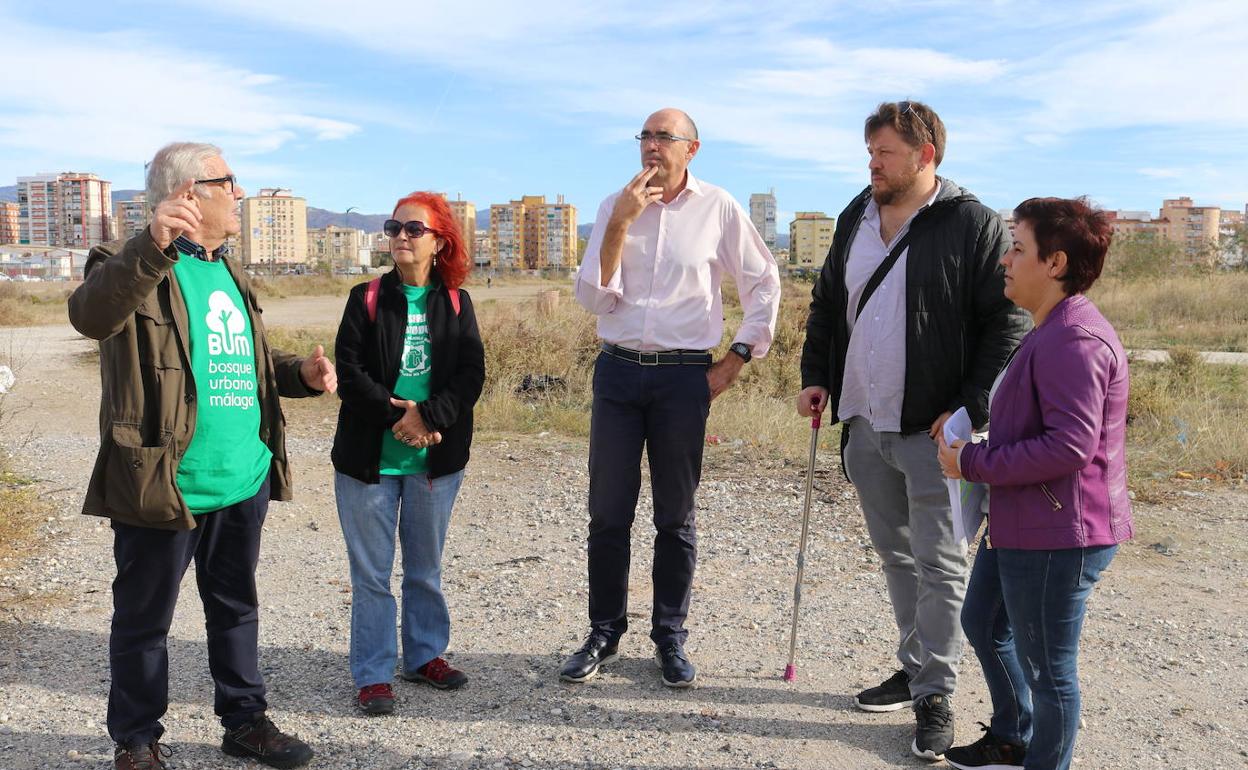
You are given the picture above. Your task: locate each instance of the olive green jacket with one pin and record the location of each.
(131, 303)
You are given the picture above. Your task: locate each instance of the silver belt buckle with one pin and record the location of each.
(641, 358)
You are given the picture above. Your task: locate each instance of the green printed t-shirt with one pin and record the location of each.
(226, 461)
(397, 458)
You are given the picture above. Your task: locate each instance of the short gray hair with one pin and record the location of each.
(174, 164)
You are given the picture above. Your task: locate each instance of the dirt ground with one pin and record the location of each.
(1164, 662)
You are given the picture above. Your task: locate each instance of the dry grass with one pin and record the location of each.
(1187, 419)
(1205, 311)
(32, 305)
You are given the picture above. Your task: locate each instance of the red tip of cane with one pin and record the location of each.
(790, 673)
(815, 412)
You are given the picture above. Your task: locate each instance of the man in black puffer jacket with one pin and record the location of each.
(908, 323)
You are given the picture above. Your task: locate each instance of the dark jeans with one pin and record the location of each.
(664, 410)
(150, 564)
(1023, 616)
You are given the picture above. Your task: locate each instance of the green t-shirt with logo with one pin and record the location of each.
(413, 384)
(226, 461)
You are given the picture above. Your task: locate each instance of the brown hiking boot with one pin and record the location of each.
(262, 741)
(150, 757)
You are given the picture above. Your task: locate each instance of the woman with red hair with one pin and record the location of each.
(410, 368)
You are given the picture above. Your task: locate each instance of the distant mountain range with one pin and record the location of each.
(367, 222)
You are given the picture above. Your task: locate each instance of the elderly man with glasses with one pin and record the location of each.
(651, 273)
(908, 323)
(192, 448)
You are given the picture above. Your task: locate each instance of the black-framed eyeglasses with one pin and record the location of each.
(907, 108)
(661, 137)
(414, 228)
(229, 181)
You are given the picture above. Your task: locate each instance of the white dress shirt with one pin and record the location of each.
(875, 363)
(665, 294)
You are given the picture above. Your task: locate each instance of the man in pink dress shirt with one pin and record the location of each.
(652, 271)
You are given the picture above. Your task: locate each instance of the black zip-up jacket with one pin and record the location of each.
(960, 327)
(368, 354)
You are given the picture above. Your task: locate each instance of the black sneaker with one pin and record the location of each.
(890, 695)
(262, 741)
(987, 753)
(933, 731)
(598, 650)
(677, 670)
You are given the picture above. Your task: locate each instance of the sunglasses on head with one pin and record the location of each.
(414, 228)
(906, 108)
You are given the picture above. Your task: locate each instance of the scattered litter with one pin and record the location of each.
(7, 379)
(541, 385)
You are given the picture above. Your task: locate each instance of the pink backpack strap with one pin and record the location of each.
(454, 299)
(370, 298)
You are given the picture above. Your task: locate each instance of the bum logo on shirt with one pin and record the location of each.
(226, 327)
(416, 347)
(232, 382)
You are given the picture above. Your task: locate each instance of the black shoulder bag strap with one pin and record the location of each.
(880, 272)
(872, 284)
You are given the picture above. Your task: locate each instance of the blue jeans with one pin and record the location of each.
(1023, 616)
(420, 508)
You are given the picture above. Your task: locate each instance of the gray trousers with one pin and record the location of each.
(906, 506)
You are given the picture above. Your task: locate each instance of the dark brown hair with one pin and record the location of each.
(1072, 226)
(917, 123)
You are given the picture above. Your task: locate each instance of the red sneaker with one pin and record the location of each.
(376, 699)
(438, 673)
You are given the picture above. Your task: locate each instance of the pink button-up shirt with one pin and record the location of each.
(665, 294)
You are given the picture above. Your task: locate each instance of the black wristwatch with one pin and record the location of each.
(741, 349)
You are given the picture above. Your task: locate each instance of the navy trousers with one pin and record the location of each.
(662, 409)
(150, 565)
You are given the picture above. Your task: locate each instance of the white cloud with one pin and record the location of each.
(120, 96)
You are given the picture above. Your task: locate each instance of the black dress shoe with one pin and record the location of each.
(677, 670)
(583, 664)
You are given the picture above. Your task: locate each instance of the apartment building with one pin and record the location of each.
(1195, 227)
(275, 228)
(532, 234)
(130, 217)
(465, 214)
(763, 215)
(337, 246)
(70, 209)
(810, 238)
(10, 222)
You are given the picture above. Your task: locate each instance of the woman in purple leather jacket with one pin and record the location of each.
(1055, 461)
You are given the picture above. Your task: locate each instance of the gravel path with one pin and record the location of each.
(1164, 660)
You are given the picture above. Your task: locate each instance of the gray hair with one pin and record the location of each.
(174, 164)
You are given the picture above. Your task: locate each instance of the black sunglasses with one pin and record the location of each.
(414, 228)
(226, 180)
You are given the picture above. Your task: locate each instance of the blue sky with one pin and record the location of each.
(357, 103)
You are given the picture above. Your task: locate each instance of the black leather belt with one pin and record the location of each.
(658, 357)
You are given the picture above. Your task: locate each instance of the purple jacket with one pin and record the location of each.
(1056, 451)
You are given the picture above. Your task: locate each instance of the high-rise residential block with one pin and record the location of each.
(275, 228)
(10, 222)
(533, 234)
(465, 214)
(763, 215)
(130, 217)
(70, 209)
(810, 239)
(1196, 228)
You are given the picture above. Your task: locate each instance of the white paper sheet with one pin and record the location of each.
(966, 499)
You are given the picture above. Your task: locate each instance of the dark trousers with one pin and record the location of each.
(1023, 615)
(150, 564)
(662, 409)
